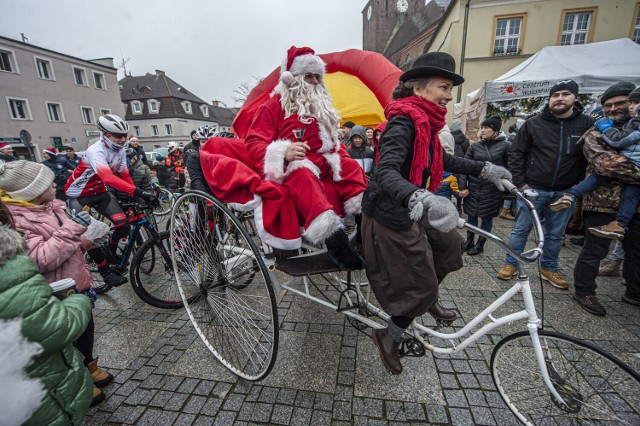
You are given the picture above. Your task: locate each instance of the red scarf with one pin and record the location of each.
(428, 120)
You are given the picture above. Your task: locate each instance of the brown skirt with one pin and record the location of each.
(405, 267)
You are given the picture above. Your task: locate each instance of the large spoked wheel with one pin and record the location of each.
(166, 199)
(597, 387)
(152, 275)
(235, 315)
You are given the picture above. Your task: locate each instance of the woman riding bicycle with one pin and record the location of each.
(408, 255)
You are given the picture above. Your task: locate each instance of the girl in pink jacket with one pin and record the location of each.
(54, 242)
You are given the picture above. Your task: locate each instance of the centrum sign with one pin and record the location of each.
(91, 133)
(508, 90)
(11, 140)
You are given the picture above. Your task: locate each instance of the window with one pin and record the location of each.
(154, 106)
(45, 69)
(19, 108)
(136, 131)
(154, 130)
(105, 111)
(136, 107)
(186, 105)
(635, 25)
(168, 129)
(54, 110)
(508, 34)
(205, 110)
(575, 27)
(87, 115)
(7, 61)
(98, 81)
(80, 76)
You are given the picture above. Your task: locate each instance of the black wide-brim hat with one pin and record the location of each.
(433, 64)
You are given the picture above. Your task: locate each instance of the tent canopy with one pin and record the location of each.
(593, 66)
(360, 83)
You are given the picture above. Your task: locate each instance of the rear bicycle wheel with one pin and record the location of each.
(236, 315)
(597, 387)
(152, 274)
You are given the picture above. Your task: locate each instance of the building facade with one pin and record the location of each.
(159, 110)
(54, 97)
(488, 38)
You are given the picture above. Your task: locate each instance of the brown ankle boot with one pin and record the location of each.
(100, 377)
(439, 312)
(389, 350)
(98, 395)
(506, 214)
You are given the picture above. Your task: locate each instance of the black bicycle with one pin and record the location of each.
(151, 269)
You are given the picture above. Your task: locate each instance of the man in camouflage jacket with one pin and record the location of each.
(599, 208)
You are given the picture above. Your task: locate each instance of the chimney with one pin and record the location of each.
(215, 103)
(159, 73)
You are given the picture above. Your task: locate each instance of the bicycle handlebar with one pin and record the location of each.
(528, 255)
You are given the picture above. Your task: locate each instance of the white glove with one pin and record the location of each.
(495, 174)
(83, 218)
(96, 230)
(441, 213)
(100, 241)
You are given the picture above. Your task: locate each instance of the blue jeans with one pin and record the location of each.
(554, 226)
(487, 222)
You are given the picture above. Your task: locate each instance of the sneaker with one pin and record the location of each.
(507, 271)
(554, 278)
(609, 268)
(612, 231)
(590, 304)
(630, 300)
(112, 278)
(564, 202)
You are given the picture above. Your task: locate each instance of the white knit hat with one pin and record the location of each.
(25, 180)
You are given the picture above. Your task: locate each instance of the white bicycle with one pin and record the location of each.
(543, 377)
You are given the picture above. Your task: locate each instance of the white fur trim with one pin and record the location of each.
(353, 205)
(328, 143)
(299, 164)
(305, 64)
(248, 206)
(273, 241)
(286, 78)
(333, 158)
(325, 224)
(274, 160)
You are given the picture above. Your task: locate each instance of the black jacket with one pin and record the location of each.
(190, 148)
(547, 152)
(7, 158)
(462, 143)
(389, 190)
(198, 181)
(140, 153)
(484, 199)
(363, 155)
(75, 160)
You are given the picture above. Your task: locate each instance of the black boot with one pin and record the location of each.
(111, 277)
(468, 244)
(478, 248)
(440, 312)
(389, 350)
(341, 253)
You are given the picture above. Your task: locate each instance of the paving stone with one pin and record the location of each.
(211, 406)
(395, 411)
(194, 404)
(301, 416)
(437, 414)
(225, 418)
(188, 385)
(455, 398)
(461, 416)
(176, 401)
(255, 412)
(414, 411)
(304, 399)
(320, 418)
(184, 419)
(253, 394)
(323, 402)
(476, 398)
(482, 415)
(268, 395)
(281, 414)
(234, 402)
(140, 397)
(286, 396)
(342, 410)
(204, 421)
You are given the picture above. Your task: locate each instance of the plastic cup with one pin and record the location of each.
(63, 288)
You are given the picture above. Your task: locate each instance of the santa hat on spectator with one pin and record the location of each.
(50, 151)
(4, 145)
(133, 138)
(25, 180)
(301, 60)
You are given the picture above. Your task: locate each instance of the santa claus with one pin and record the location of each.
(293, 140)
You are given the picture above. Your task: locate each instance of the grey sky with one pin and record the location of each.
(210, 47)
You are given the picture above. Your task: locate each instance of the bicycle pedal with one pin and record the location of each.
(444, 323)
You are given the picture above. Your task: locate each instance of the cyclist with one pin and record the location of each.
(104, 163)
(200, 136)
(175, 164)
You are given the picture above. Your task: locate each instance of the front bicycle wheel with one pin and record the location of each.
(597, 388)
(152, 274)
(236, 315)
(166, 199)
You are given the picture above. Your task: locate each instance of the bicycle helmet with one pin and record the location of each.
(111, 123)
(205, 132)
(131, 153)
(227, 135)
(171, 146)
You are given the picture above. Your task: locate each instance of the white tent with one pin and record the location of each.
(593, 66)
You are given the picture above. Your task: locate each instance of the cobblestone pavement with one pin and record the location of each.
(326, 371)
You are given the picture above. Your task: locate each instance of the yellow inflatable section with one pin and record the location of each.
(355, 101)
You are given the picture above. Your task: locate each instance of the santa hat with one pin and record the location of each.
(50, 151)
(4, 145)
(25, 180)
(301, 60)
(133, 138)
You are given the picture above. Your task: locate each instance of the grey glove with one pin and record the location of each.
(83, 218)
(495, 174)
(441, 213)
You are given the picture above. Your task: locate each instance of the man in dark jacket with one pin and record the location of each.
(599, 208)
(60, 167)
(6, 152)
(547, 156)
(134, 143)
(71, 156)
(346, 131)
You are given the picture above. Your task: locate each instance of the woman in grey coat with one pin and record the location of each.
(482, 199)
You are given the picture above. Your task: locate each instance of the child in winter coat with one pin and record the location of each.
(54, 242)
